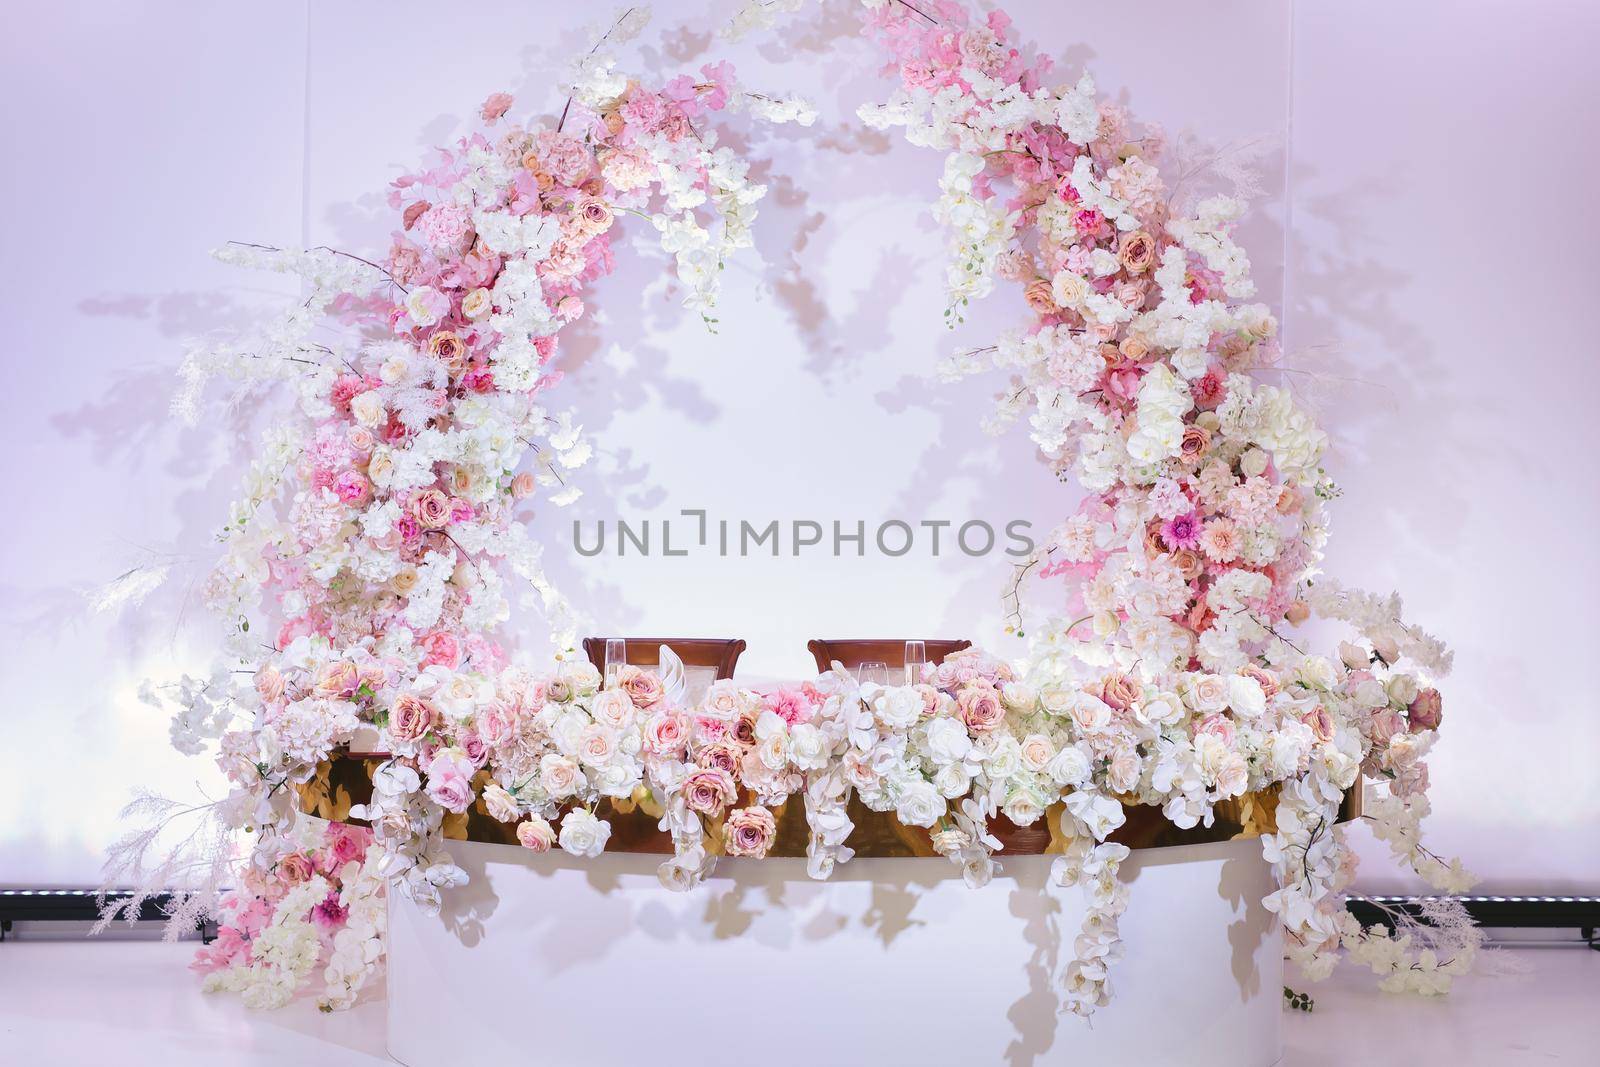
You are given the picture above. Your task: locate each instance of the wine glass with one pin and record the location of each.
(916, 658)
(875, 671)
(616, 656)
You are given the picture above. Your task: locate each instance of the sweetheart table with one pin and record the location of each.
(546, 959)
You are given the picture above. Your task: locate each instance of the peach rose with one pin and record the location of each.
(269, 684)
(1137, 252)
(708, 792)
(295, 868)
(337, 679)
(410, 717)
(1134, 348)
(612, 707)
(535, 834)
(1038, 297)
(1298, 612)
(522, 486)
(1192, 446)
(558, 691)
(404, 581)
(1117, 690)
(749, 832)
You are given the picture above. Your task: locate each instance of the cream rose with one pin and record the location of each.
(501, 805)
(558, 776)
(476, 304)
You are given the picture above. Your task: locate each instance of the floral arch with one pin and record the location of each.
(378, 527)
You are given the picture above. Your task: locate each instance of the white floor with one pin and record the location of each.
(134, 1002)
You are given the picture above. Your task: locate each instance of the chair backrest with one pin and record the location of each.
(718, 654)
(889, 651)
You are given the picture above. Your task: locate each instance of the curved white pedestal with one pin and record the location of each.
(545, 960)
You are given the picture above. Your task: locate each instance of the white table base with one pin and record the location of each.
(546, 960)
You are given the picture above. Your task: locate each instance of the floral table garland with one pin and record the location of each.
(376, 519)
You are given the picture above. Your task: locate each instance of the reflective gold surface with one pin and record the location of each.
(347, 780)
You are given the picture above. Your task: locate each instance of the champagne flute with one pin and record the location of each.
(616, 656)
(875, 671)
(916, 658)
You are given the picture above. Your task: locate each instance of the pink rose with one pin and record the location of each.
(1219, 726)
(346, 843)
(643, 686)
(1426, 712)
(431, 509)
(749, 832)
(720, 756)
(410, 717)
(980, 708)
(522, 486)
(477, 752)
(1385, 725)
(440, 648)
(708, 792)
(451, 791)
(666, 733)
(497, 723)
(1268, 681)
(535, 835)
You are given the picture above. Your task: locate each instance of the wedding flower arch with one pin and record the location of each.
(377, 523)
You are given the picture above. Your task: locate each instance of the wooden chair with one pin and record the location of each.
(889, 651)
(717, 654)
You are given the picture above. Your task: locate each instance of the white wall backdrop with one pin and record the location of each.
(151, 134)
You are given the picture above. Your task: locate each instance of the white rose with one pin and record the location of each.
(1402, 689)
(1315, 672)
(918, 804)
(952, 780)
(1069, 767)
(899, 707)
(807, 747)
(1022, 807)
(1057, 700)
(419, 305)
(584, 835)
(567, 731)
(948, 741)
(1253, 463)
(1245, 696)
(1164, 708)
